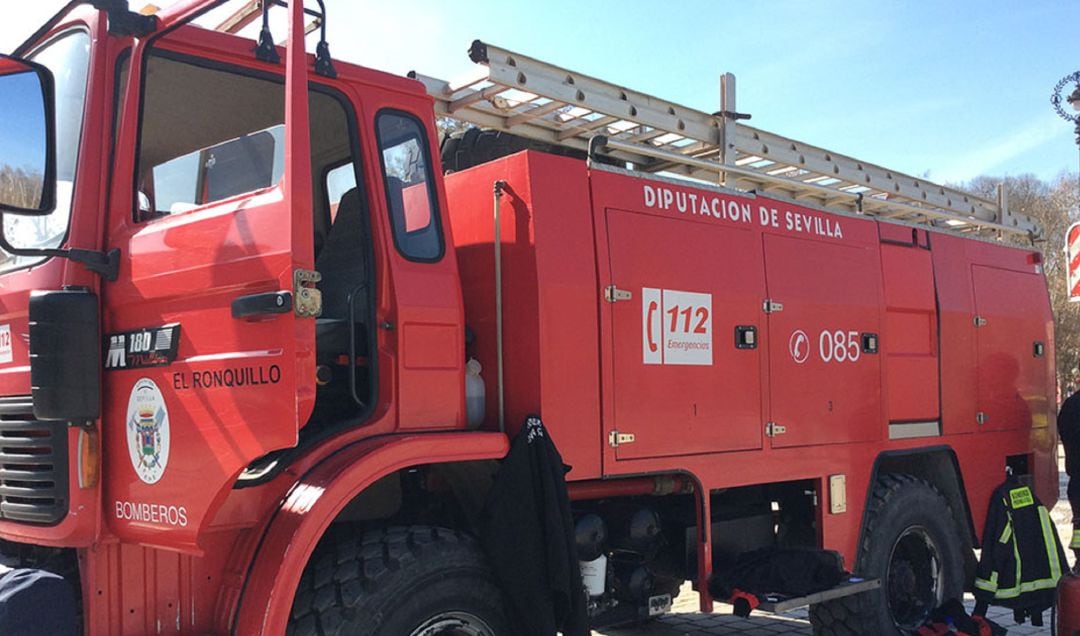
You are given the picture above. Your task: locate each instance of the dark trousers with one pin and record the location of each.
(35, 603)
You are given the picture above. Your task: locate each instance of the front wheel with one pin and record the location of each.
(913, 543)
(418, 581)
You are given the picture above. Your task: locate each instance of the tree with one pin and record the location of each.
(448, 126)
(19, 187)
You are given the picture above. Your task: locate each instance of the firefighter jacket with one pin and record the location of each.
(1022, 558)
(528, 534)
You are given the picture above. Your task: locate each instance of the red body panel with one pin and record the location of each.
(677, 404)
(831, 273)
(550, 296)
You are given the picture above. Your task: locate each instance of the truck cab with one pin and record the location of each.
(243, 317)
(175, 162)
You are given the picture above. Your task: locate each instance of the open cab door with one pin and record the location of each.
(209, 330)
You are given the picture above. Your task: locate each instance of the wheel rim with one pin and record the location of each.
(454, 624)
(913, 584)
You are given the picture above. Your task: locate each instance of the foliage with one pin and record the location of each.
(448, 126)
(20, 188)
(1056, 205)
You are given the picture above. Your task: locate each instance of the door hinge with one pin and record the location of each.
(980, 321)
(771, 306)
(616, 439)
(307, 300)
(772, 429)
(613, 294)
(981, 418)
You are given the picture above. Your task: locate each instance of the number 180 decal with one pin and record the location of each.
(676, 327)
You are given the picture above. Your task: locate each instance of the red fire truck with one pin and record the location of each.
(259, 357)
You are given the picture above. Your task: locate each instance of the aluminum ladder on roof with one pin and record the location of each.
(546, 103)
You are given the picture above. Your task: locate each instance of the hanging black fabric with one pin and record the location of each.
(786, 571)
(1022, 558)
(528, 534)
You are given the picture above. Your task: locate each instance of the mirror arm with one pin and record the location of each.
(123, 21)
(107, 264)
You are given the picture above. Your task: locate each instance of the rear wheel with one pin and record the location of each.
(418, 581)
(913, 544)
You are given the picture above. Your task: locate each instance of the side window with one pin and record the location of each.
(339, 180)
(410, 190)
(228, 142)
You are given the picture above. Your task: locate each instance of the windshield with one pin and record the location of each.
(68, 57)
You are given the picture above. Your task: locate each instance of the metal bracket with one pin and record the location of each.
(597, 144)
(307, 300)
(771, 306)
(616, 439)
(613, 294)
(979, 321)
(123, 21)
(324, 64)
(107, 264)
(772, 429)
(730, 114)
(265, 51)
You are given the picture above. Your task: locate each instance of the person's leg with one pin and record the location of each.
(35, 602)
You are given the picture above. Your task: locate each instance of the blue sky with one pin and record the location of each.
(22, 141)
(954, 89)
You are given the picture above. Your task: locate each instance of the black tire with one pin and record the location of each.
(398, 582)
(913, 543)
(463, 150)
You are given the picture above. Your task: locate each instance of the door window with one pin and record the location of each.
(410, 192)
(227, 142)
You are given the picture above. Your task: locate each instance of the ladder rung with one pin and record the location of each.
(242, 17)
(533, 113)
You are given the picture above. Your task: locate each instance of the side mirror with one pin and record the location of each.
(27, 138)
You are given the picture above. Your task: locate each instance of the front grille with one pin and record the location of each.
(33, 464)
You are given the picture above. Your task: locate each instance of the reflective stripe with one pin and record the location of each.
(1050, 540)
(1075, 543)
(1016, 559)
(989, 586)
(1030, 586)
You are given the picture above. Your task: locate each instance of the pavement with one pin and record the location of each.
(685, 619)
